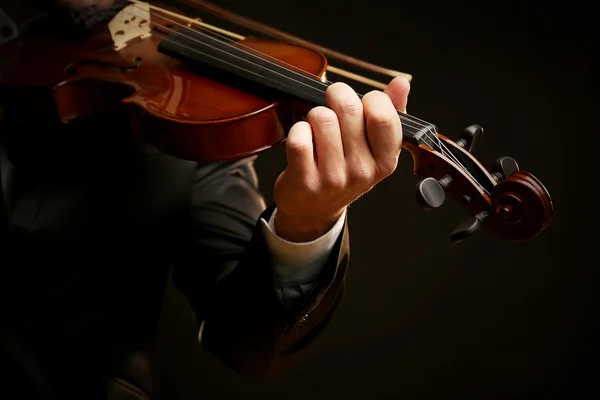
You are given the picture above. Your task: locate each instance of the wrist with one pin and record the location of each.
(300, 229)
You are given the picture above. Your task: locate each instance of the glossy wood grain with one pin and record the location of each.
(171, 105)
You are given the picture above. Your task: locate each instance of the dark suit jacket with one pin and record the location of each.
(92, 225)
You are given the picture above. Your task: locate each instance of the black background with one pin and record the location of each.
(423, 316)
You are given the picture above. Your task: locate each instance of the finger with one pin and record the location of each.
(300, 150)
(398, 91)
(347, 105)
(327, 139)
(384, 131)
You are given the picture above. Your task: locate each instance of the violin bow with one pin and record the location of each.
(283, 36)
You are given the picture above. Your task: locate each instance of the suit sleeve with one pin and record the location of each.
(225, 270)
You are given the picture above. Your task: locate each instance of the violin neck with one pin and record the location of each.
(196, 47)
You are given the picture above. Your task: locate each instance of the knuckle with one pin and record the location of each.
(379, 109)
(310, 185)
(334, 180)
(351, 106)
(297, 146)
(360, 173)
(381, 119)
(387, 166)
(322, 116)
(344, 99)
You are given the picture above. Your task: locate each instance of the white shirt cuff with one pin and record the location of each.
(299, 263)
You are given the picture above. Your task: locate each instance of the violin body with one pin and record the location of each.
(170, 104)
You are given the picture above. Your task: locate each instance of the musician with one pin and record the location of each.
(92, 224)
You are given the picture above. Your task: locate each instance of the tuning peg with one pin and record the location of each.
(503, 168)
(468, 227)
(431, 192)
(470, 137)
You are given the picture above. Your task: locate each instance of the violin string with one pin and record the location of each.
(227, 41)
(268, 58)
(431, 134)
(320, 91)
(433, 137)
(313, 79)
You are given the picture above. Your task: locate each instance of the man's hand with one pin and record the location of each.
(336, 155)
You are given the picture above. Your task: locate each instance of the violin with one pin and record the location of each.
(195, 92)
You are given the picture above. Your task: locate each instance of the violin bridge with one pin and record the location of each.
(132, 22)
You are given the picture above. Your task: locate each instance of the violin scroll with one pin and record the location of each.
(511, 203)
(520, 207)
